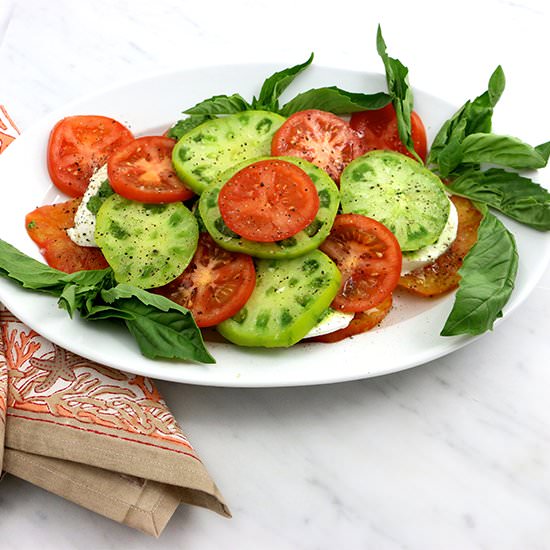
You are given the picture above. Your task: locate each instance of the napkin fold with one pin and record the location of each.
(101, 438)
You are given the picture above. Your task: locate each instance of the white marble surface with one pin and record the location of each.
(453, 454)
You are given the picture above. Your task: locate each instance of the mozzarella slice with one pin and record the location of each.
(428, 254)
(331, 321)
(84, 221)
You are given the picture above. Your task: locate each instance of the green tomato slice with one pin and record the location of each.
(147, 245)
(304, 241)
(398, 192)
(289, 299)
(205, 152)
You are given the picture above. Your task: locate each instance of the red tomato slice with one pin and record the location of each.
(369, 258)
(47, 227)
(142, 171)
(215, 285)
(378, 130)
(363, 321)
(268, 201)
(78, 146)
(319, 137)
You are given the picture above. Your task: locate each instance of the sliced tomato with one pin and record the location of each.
(363, 321)
(78, 146)
(319, 137)
(369, 258)
(142, 171)
(268, 201)
(215, 285)
(47, 227)
(442, 276)
(377, 129)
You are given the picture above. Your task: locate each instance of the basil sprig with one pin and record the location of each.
(487, 280)
(465, 143)
(267, 100)
(473, 117)
(275, 85)
(162, 328)
(466, 139)
(462, 148)
(329, 98)
(400, 93)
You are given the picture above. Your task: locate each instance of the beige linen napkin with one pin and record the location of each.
(99, 437)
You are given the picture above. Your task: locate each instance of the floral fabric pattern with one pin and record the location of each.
(47, 380)
(4, 316)
(8, 129)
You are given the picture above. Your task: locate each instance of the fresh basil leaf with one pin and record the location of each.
(473, 117)
(35, 275)
(68, 300)
(276, 84)
(487, 280)
(124, 290)
(219, 105)
(450, 135)
(516, 196)
(335, 100)
(502, 150)
(268, 100)
(400, 93)
(543, 150)
(162, 328)
(330, 99)
(90, 277)
(79, 298)
(28, 272)
(480, 110)
(497, 83)
(450, 156)
(169, 334)
(186, 124)
(82, 289)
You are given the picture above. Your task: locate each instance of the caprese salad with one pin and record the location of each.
(276, 224)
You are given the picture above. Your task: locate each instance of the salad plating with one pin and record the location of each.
(468, 123)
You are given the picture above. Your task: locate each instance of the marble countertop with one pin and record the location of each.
(452, 454)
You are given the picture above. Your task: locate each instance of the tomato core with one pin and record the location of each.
(215, 285)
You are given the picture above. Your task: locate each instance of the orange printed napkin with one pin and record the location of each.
(101, 438)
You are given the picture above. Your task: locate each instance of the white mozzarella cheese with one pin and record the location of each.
(84, 221)
(331, 322)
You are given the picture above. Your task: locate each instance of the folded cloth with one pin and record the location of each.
(3, 398)
(94, 435)
(8, 130)
(101, 438)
